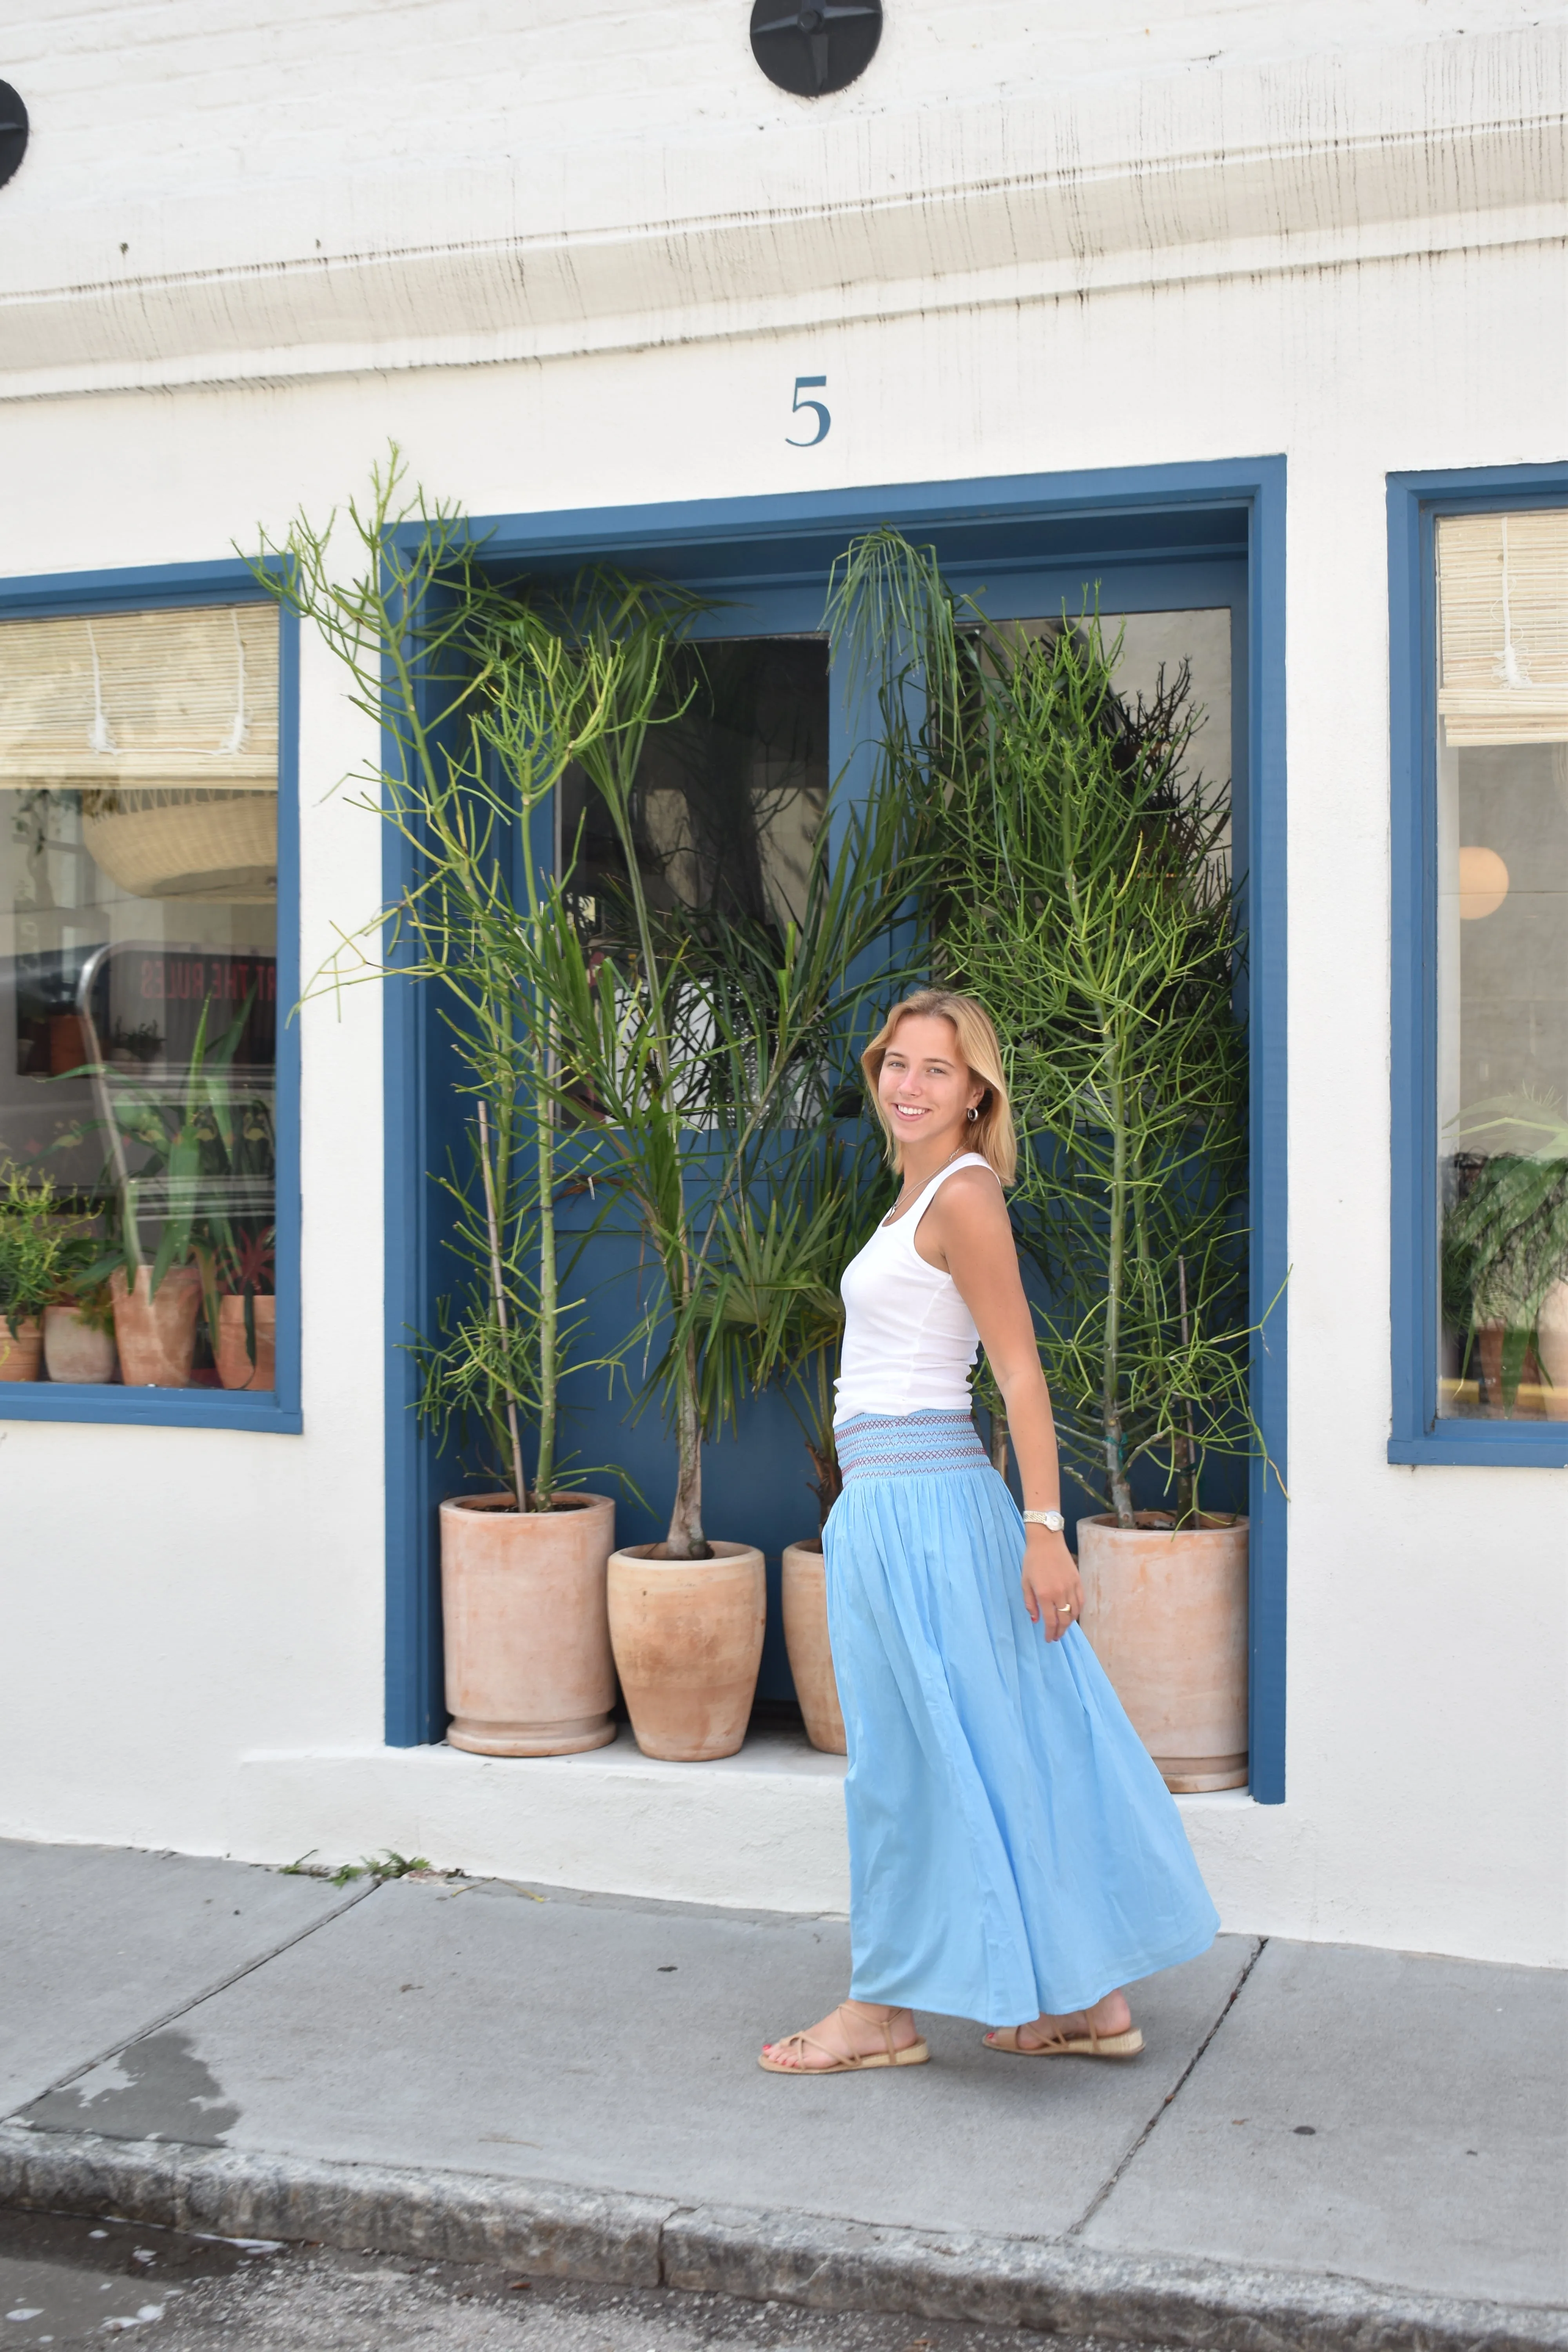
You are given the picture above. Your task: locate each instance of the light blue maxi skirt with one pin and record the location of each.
(1013, 1849)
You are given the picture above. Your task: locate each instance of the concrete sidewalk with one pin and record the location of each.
(1320, 2146)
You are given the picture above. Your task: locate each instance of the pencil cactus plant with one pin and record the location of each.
(1080, 890)
(416, 625)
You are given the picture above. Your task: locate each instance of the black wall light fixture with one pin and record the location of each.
(820, 47)
(13, 131)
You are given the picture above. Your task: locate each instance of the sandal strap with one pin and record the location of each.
(885, 2022)
(1062, 2041)
(802, 2043)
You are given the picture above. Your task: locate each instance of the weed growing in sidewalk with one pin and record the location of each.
(388, 1865)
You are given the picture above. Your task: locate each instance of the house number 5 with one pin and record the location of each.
(810, 384)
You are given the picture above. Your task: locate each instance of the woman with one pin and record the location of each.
(1014, 1854)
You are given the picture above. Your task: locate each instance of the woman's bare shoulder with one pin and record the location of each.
(971, 1198)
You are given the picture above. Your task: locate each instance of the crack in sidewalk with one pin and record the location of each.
(193, 2001)
(1106, 2186)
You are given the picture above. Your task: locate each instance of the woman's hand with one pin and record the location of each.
(1052, 1593)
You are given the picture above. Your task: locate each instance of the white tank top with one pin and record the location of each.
(909, 1341)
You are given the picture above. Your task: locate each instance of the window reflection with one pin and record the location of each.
(730, 794)
(138, 982)
(1502, 965)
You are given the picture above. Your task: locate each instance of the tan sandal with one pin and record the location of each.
(915, 2054)
(1088, 2044)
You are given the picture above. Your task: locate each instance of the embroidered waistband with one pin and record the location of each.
(910, 1445)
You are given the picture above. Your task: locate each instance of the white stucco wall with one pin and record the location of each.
(1126, 251)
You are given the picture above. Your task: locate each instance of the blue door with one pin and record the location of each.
(1174, 583)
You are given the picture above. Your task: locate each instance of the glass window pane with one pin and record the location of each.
(731, 794)
(138, 980)
(1502, 965)
(1158, 654)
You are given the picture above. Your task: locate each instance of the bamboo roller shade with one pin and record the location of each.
(1502, 605)
(180, 698)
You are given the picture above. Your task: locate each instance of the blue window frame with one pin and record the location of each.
(1172, 536)
(145, 589)
(1416, 504)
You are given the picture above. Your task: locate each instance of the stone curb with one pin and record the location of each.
(621, 2240)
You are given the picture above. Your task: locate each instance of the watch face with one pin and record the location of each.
(13, 131)
(816, 48)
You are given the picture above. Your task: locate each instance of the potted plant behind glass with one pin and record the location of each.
(1083, 893)
(1505, 1254)
(78, 1322)
(528, 1662)
(690, 1039)
(182, 1162)
(245, 1347)
(35, 1259)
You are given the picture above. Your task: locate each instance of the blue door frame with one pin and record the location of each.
(1153, 538)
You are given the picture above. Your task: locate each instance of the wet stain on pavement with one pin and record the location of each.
(154, 2089)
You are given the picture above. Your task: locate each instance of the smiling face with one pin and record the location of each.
(925, 1086)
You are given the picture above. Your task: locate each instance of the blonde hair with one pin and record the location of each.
(979, 1049)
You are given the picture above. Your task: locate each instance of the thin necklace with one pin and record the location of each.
(957, 1150)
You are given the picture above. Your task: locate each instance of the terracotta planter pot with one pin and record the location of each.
(22, 1350)
(688, 1638)
(805, 1638)
(1167, 1615)
(73, 1350)
(234, 1369)
(1529, 1396)
(156, 1337)
(1551, 1334)
(528, 1641)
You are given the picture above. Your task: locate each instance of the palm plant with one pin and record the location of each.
(772, 1311)
(1081, 892)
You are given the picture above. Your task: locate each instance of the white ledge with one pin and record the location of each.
(761, 1830)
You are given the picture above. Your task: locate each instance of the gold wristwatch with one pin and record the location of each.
(1052, 1519)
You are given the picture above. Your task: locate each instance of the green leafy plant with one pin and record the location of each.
(1505, 1245)
(421, 630)
(246, 1269)
(770, 1307)
(192, 1158)
(662, 1049)
(375, 1865)
(691, 1043)
(1505, 1226)
(36, 1245)
(1081, 892)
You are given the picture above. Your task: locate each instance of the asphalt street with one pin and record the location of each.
(66, 2283)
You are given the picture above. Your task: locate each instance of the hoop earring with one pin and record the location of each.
(971, 1115)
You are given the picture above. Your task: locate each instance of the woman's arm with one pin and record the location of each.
(967, 1233)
